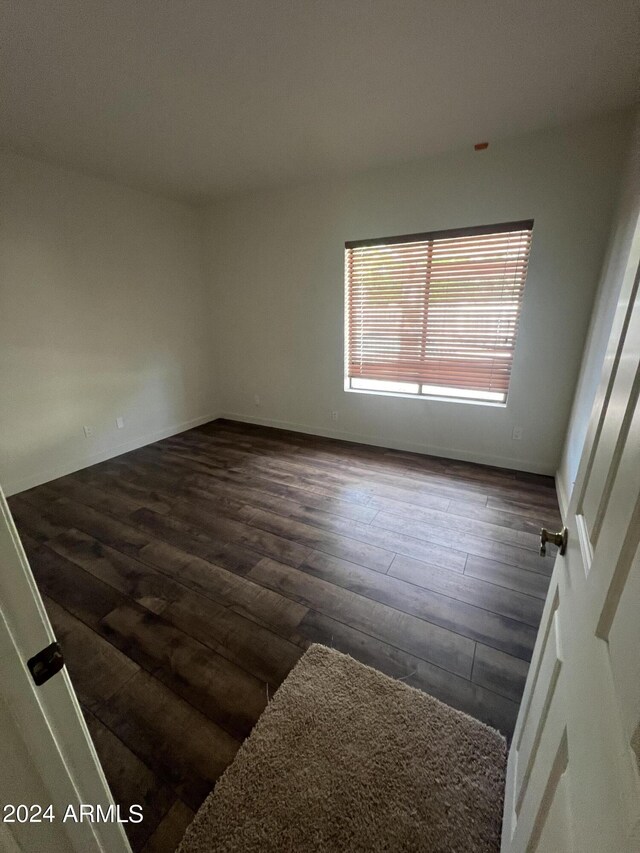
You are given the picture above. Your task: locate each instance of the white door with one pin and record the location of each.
(572, 777)
(46, 753)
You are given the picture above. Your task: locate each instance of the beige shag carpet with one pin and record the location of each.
(347, 759)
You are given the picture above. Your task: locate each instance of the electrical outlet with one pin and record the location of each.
(120, 422)
(334, 416)
(88, 432)
(256, 399)
(516, 435)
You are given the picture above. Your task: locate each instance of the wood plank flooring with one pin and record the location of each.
(185, 579)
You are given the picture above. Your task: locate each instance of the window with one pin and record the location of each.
(436, 314)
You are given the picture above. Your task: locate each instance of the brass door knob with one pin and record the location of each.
(559, 539)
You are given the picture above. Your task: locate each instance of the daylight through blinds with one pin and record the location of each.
(437, 311)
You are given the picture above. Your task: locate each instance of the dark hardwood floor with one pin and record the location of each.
(186, 578)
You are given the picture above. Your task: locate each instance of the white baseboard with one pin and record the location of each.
(563, 501)
(534, 467)
(68, 467)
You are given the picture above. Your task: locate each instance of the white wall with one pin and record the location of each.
(624, 225)
(276, 261)
(105, 308)
(103, 312)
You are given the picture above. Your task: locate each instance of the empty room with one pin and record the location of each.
(319, 437)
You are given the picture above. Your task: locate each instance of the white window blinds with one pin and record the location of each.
(437, 312)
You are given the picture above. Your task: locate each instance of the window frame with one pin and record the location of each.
(424, 236)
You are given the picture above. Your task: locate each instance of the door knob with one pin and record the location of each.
(559, 539)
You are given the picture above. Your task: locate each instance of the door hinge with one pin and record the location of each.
(46, 663)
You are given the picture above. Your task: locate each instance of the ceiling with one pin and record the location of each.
(202, 98)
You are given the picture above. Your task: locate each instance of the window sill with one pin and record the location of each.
(427, 397)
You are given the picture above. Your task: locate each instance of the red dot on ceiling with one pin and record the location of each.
(480, 146)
